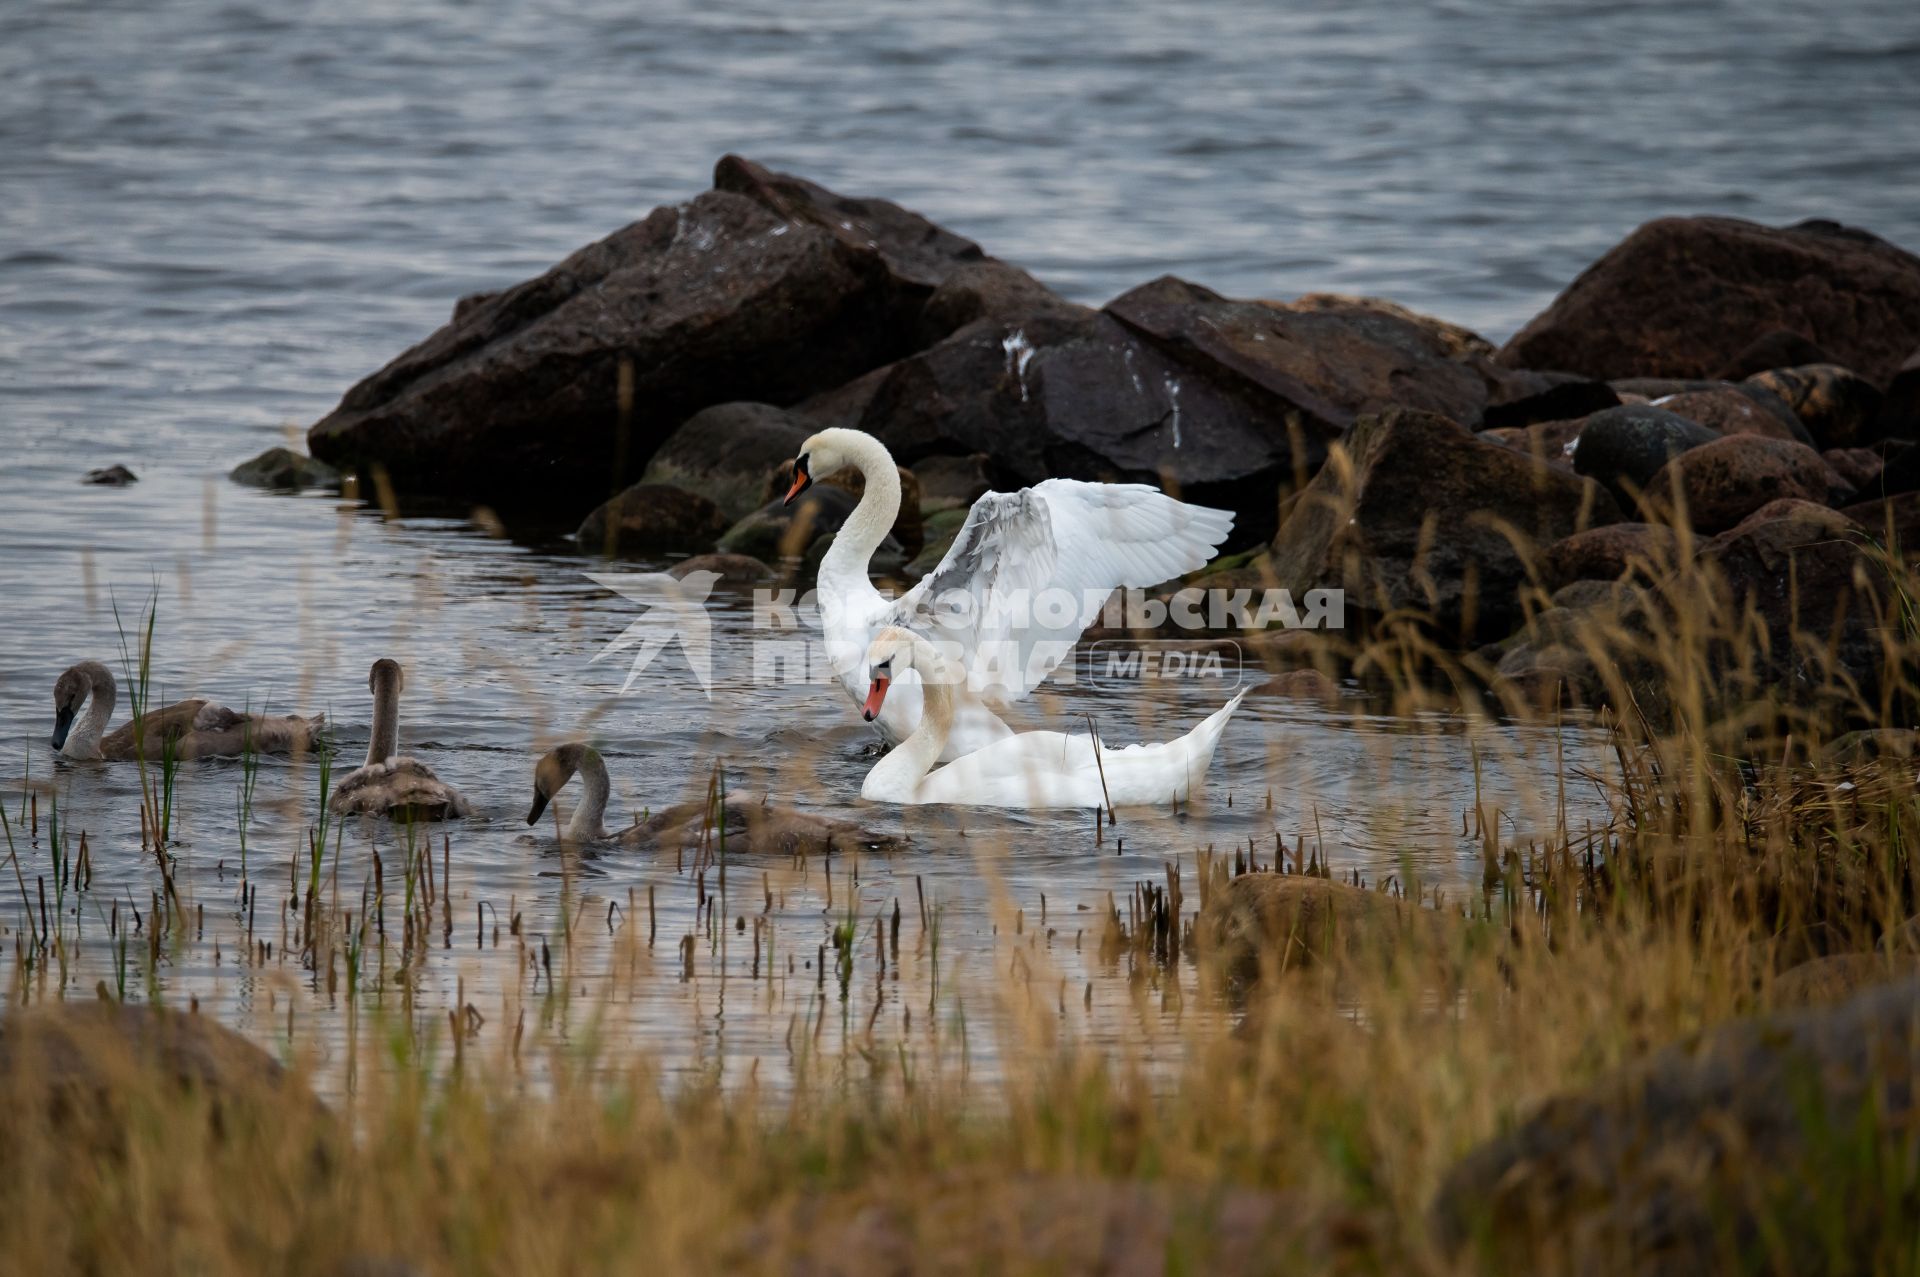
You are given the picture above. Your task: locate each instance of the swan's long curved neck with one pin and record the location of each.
(915, 756)
(84, 740)
(385, 741)
(589, 818)
(872, 519)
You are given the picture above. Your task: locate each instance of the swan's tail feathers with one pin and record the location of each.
(1205, 738)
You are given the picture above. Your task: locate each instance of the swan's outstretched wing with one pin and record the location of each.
(1030, 570)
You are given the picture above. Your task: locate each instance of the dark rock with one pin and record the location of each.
(1609, 553)
(1260, 925)
(765, 289)
(1731, 410)
(1647, 389)
(908, 525)
(1423, 515)
(1539, 677)
(991, 290)
(1858, 467)
(1589, 592)
(941, 528)
(1722, 482)
(1840, 408)
(651, 516)
(1900, 406)
(1623, 448)
(801, 530)
(728, 567)
(729, 453)
(1817, 592)
(1457, 341)
(948, 483)
(1777, 349)
(114, 476)
(1836, 977)
(1763, 1137)
(286, 469)
(1565, 402)
(91, 1067)
(1892, 521)
(1547, 442)
(1686, 296)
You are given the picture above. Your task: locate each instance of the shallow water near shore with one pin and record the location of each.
(220, 218)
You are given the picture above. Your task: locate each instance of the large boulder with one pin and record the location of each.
(767, 288)
(1722, 482)
(1220, 400)
(1419, 513)
(652, 516)
(1761, 1144)
(1623, 448)
(728, 452)
(1686, 297)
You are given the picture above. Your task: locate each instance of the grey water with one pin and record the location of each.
(216, 216)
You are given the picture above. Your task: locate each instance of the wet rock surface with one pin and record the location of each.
(1424, 515)
(285, 469)
(1688, 296)
(651, 516)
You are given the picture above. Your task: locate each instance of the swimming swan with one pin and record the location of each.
(389, 783)
(1031, 769)
(191, 729)
(750, 824)
(1061, 540)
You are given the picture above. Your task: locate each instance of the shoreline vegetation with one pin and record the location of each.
(1685, 1041)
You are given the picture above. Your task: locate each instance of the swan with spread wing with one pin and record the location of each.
(1026, 574)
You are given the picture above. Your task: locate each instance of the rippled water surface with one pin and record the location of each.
(217, 216)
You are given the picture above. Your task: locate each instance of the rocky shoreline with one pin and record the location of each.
(1709, 391)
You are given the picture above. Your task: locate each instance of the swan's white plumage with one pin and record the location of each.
(1086, 539)
(1030, 769)
(1058, 540)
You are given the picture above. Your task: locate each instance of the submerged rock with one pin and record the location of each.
(729, 567)
(651, 516)
(1686, 296)
(114, 476)
(1424, 515)
(1766, 1137)
(284, 468)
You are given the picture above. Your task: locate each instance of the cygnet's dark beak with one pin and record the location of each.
(539, 805)
(62, 724)
(802, 480)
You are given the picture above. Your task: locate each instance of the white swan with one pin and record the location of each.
(189, 729)
(1028, 571)
(750, 824)
(1031, 769)
(388, 783)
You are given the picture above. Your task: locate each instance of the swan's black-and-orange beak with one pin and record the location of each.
(875, 695)
(802, 480)
(539, 805)
(62, 724)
